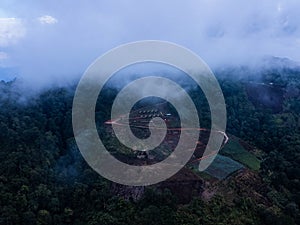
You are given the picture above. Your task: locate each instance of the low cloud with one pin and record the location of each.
(47, 20)
(221, 32)
(11, 31)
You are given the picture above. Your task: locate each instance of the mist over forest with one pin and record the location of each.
(50, 43)
(250, 46)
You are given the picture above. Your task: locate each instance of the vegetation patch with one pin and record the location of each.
(222, 167)
(236, 151)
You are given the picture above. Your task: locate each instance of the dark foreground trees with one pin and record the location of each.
(44, 179)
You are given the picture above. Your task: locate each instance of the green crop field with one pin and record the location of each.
(236, 151)
(222, 167)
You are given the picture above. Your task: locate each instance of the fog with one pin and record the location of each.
(53, 42)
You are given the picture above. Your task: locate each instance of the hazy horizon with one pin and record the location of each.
(55, 42)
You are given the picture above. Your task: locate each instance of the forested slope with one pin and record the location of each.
(44, 179)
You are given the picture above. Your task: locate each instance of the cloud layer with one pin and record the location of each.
(54, 42)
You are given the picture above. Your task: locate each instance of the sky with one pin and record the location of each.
(55, 41)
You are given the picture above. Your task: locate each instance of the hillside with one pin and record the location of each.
(255, 180)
